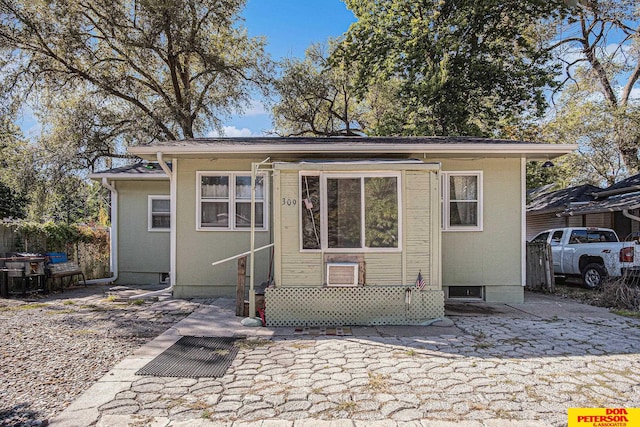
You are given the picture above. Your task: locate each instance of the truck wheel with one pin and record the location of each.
(593, 275)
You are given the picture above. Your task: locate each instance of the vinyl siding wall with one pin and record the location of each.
(142, 254)
(492, 257)
(197, 250)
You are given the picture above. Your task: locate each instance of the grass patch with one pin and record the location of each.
(23, 307)
(69, 302)
(627, 313)
(67, 311)
(251, 344)
(349, 406)
(84, 332)
(198, 404)
(136, 302)
(378, 382)
(111, 298)
(301, 345)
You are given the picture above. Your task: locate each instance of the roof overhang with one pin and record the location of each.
(425, 147)
(128, 177)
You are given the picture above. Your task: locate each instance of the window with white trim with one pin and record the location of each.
(224, 201)
(159, 213)
(462, 201)
(350, 211)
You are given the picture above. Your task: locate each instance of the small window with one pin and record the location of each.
(462, 201)
(541, 238)
(592, 236)
(224, 201)
(159, 209)
(557, 237)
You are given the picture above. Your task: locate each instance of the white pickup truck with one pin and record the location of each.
(592, 253)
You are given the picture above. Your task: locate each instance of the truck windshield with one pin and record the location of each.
(592, 236)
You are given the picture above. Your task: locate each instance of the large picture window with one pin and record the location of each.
(462, 201)
(224, 201)
(351, 211)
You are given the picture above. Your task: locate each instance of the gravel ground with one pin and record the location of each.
(53, 349)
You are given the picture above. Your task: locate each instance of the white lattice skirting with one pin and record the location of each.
(362, 305)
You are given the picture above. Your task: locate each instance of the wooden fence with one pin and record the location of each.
(93, 258)
(540, 267)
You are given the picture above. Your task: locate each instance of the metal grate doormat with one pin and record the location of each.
(194, 357)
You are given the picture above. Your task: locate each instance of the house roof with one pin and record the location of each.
(627, 185)
(140, 170)
(613, 203)
(558, 201)
(429, 146)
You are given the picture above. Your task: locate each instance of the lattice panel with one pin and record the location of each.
(362, 305)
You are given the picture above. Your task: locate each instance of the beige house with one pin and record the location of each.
(342, 227)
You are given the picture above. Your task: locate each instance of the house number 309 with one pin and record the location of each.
(288, 202)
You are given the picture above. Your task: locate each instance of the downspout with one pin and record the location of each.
(171, 173)
(113, 238)
(626, 213)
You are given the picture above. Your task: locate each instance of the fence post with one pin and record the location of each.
(242, 275)
(540, 267)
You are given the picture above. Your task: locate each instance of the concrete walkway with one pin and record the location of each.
(494, 365)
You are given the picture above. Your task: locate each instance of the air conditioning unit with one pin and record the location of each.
(342, 274)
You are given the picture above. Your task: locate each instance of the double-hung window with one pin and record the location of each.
(159, 213)
(224, 201)
(462, 201)
(350, 211)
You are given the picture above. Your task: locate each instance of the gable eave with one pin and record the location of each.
(530, 151)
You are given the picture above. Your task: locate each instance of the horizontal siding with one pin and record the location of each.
(538, 223)
(417, 229)
(383, 268)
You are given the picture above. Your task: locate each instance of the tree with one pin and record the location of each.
(599, 45)
(461, 66)
(316, 98)
(171, 67)
(588, 121)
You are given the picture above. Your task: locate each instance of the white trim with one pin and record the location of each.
(128, 176)
(173, 251)
(231, 200)
(523, 221)
(150, 199)
(446, 226)
(301, 188)
(274, 146)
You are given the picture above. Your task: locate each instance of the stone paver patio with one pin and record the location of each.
(511, 365)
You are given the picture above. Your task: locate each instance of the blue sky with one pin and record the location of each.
(289, 26)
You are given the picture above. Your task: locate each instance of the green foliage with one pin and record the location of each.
(169, 68)
(316, 98)
(460, 66)
(12, 205)
(50, 236)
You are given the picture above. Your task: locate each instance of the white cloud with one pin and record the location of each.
(230, 132)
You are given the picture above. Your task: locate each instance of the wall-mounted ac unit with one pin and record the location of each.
(342, 274)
